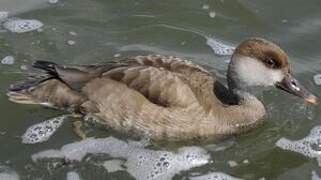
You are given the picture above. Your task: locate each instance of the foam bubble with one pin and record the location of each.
(214, 176)
(212, 14)
(246, 161)
(24, 67)
(284, 20)
(52, 1)
(117, 55)
(205, 6)
(8, 174)
(141, 163)
(41, 132)
(71, 42)
(73, 33)
(219, 48)
(3, 15)
(22, 25)
(72, 175)
(8, 60)
(232, 163)
(113, 165)
(317, 79)
(309, 146)
(315, 176)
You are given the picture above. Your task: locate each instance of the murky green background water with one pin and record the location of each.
(170, 27)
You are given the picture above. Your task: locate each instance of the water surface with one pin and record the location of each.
(83, 31)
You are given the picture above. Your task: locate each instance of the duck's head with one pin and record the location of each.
(258, 62)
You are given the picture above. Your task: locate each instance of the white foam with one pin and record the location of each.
(72, 175)
(71, 42)
(8, 60)
(246, 161)
(214, 176)
(232, 163)
(315, 176)
(24, 67)
(317, 79)
(309, 146)
(4, 15)
(113, 165)
(73, 33)
(219, 48)
(117, 55)
(53, 1)
(212, 14)
(141, 163)
(22, 25)
(41, 132)
(8, 174)
(205, 6)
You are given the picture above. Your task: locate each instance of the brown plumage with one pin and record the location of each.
(158, 96)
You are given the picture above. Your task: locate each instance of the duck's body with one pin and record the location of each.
(160, 97)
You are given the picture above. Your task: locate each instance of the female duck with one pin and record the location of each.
(166, 97)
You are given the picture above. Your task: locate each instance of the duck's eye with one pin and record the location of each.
(270, 62)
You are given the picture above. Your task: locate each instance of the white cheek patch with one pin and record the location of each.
(254, 73)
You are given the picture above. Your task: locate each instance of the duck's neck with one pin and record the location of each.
(247, 111)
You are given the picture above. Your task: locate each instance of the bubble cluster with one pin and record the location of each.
(8, 60)
(309, 146)
(22, 25)
(141, 163)
(41, 132)
(214, 176)
(219, 48)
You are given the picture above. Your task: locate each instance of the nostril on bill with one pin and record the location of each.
(295, 85)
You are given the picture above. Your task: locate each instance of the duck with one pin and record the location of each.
(166, 97)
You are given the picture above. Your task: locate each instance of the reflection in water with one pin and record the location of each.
(142, 163)
(309, 146)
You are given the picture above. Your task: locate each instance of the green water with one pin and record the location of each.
(171, 27)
